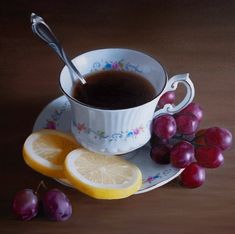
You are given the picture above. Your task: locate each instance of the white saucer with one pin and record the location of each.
(56, 115)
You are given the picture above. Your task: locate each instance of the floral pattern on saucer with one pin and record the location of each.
(56, 115)
(54, 120)
(159, 175)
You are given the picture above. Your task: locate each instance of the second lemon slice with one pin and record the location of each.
(100, 176)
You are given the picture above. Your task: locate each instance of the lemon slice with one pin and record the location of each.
(101, 176)
(45, 151)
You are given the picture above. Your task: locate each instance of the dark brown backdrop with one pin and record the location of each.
(186, 36)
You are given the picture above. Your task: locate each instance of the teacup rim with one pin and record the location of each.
(70, 97)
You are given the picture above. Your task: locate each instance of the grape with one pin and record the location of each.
(25, 204)
(166, 98)
(220, 137)
(161, 154)
(186, 123)
(182, 154)
(56, 205)
(164, 126)
(195, 109)
(193, 175)
(209, 156)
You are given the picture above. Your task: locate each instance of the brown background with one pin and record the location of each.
(186, 36)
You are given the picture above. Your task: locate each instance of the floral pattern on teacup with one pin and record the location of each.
(115, 65)
(100, 134)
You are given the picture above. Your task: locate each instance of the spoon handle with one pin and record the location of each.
(40, 28)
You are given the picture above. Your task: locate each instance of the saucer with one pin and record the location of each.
(56, 115)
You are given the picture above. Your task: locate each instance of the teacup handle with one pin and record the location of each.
(171, 86)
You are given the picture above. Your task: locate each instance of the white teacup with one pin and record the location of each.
(120, 131)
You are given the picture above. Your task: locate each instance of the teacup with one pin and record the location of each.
(120, 131)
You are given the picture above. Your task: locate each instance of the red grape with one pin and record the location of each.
(182, 154)
(56, 205)
(164, 126)
(166, 98)
(195, 109)
(25, 204)
(220, 137)
(161, 154)
(186, 123)
(209, 156)
(193, 175)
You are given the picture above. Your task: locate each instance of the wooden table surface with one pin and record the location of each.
(186, 36)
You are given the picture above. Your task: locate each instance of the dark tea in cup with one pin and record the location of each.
(114, 89)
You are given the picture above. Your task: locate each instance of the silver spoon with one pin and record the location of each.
(40, 28)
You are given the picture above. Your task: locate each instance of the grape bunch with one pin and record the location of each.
(177, 140)
(56, 206)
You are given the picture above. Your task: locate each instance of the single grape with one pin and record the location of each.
(195, 109)
(182, 154)
(219, 137)
(193, 175)
(161, 154)
(166, 98)
(209, 156)
(164, 126)
(25, 204)
(56, 205)
(187, 124)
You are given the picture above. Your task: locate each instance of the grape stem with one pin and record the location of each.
(196, 145)
(181, 137)
(39, 185)
(193, 141)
